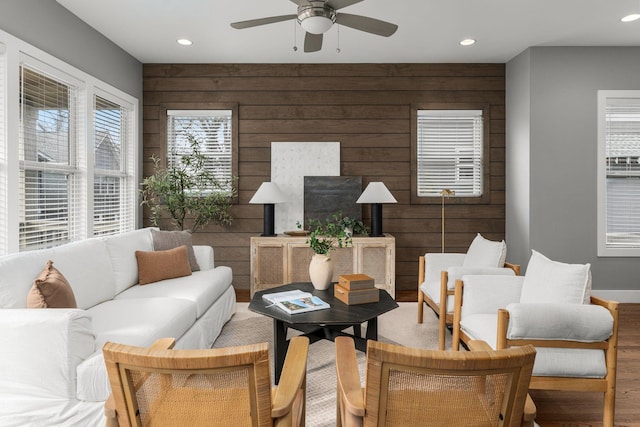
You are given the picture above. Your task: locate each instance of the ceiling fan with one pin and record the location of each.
(317, 16)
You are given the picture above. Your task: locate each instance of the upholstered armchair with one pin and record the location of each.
(575, 334)
(438, 272)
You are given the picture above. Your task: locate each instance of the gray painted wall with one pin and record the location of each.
(517, 159)
(551, 127)
(47, 25)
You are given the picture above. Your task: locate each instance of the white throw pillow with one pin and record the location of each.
(485, 253)
(552, 281)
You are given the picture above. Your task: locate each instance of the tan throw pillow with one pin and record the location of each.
(160, 265)
(51, 290)
(163, 240)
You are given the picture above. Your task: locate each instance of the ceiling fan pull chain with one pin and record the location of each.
(295, 47)
(338, 48)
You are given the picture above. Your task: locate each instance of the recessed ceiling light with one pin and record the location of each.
(185, 42)
(467, 42)
(630, 18)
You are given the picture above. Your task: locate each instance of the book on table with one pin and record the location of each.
(296, 301)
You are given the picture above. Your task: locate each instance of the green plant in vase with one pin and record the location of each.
(324, 236)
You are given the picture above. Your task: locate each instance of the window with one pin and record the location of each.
(68, 152)
(449, 152)
(618, 173)
(212, 131)
(49, 175)
(114, 186)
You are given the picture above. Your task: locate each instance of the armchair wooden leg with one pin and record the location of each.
(420, 306)
(609, 408)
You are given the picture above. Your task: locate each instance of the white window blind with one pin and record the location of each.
(114, 189)
(449, 152)
(622, 160)
(49, 184)
(212, 130)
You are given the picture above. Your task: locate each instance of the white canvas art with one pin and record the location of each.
(290, 163)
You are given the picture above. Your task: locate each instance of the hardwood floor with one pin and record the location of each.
(576, 409)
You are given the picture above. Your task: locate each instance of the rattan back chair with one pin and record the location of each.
(227, 387)
(416, 387)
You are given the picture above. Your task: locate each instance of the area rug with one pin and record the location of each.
(398, 326)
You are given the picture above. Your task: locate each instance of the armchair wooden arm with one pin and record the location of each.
(350, 398)
(290, 394)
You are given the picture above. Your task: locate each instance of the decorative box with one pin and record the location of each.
(354, 282)
(360, 296)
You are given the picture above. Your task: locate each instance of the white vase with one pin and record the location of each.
(321, 271)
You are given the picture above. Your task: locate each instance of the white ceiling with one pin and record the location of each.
(429, 30)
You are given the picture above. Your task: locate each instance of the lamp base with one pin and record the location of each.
(376, 220)
(268, 220)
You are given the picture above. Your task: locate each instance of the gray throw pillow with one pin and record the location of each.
(165, 240)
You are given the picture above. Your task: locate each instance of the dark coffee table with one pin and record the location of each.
(324, 324)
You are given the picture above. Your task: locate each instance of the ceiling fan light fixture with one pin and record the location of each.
(467, 42)
(316, 18)
(316, 24)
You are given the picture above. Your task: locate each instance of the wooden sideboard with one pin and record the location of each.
(285, 259)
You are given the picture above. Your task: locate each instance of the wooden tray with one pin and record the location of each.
(297, 233)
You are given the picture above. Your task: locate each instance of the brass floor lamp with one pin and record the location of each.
(445, 193)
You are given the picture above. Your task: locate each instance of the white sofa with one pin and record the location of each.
(52, 371)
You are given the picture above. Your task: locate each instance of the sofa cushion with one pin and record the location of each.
(51, 290)
(201, 288)
(485, 253)
(141, 321)
(163, 240)
(548, 281)
(122, 249)
(87, 267)
(568, 362)
(160, 265)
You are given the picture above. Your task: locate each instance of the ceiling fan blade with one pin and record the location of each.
(364, 23)
(312, 42)
(262, 21)
(339, 4)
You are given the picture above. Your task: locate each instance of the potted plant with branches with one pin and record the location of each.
(324, 237)
(187, 191)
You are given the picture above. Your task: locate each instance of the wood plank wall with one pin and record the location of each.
(367, 108)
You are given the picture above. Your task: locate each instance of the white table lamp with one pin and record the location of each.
(376, 194)
(268, 194)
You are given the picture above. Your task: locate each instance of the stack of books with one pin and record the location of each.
(354, 289)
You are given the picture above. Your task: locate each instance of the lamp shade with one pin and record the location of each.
(376, 192)
(268, 192)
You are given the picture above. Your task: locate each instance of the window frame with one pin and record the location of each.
(601, 167)
(129, 162)
(485, 198)
(163, 152)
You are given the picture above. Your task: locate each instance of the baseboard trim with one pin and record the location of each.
(622, 296)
